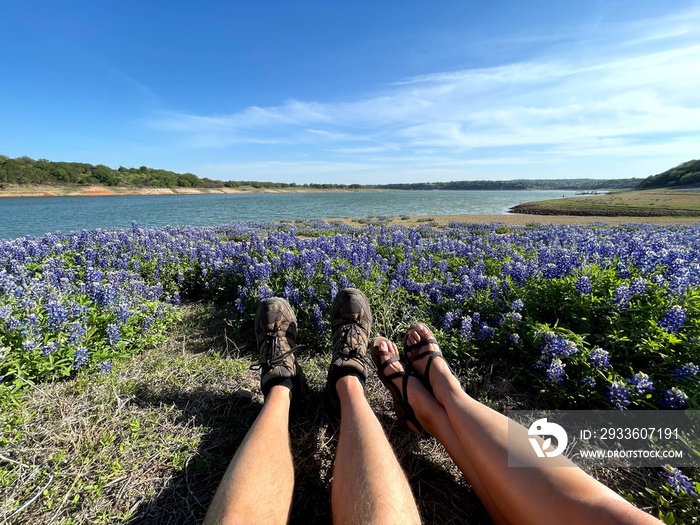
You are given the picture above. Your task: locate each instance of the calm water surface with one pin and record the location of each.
(38, 215)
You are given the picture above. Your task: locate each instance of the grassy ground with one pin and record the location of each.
(647, 203)
(149, 441)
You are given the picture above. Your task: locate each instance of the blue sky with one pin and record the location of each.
(354, 92)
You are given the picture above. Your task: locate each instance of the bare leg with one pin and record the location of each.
(257, 486)
(432, 416)
(537, 495)
(369, 486)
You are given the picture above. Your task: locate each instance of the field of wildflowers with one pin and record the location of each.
(579, 317)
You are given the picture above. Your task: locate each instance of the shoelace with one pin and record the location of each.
(277, 356)
(352, 330)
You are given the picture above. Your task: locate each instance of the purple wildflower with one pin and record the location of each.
(113, 336)
(599, 358)
(641, 383)
(80, 357)
(583, 285)
(674, 398)
(679, 482)
(687, 371)
(485, 332)
(105, 367)
(465, 327)
(618, 395)
(555, 372)
(621, 296)
(674, 319)
(517, 305)
(589, 382)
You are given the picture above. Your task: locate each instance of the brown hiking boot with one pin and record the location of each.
(275, 332)
(351, 324)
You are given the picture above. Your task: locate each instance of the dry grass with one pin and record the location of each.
(149, 442)
(647, 203)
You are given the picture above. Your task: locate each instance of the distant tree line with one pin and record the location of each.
(24, 170)
(521, 184)
(683, 175)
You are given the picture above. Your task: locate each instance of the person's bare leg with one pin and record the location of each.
(258, 484)
(369, 486)
(522, 495)
(432, 416)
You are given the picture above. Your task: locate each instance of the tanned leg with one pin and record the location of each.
(369, 486)
(257, 486)
(537, 495)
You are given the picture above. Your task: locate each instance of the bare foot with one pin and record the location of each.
(391, 372)
(420, 346)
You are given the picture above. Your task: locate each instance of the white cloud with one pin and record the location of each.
(635, 96)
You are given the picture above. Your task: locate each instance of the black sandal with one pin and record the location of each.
(423, 342)
(404, 411)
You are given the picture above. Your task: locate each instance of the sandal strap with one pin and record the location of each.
(408, 414)
(421, 344)
(427, 352)
(393, 359)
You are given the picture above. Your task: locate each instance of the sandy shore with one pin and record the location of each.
(12, 190)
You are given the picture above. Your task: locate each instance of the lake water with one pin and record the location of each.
(38, 215)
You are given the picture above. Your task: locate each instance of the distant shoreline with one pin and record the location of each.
(18, 191)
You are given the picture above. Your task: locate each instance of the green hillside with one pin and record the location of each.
(684, 175)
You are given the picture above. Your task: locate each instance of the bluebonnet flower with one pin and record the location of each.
(589, 382)
(679, 482)
(515, 317)
(555, 372)
(5, 312)
(123, 312)
(517, 305)
(485, 332)
(623, 271)
(465, 327)
(599, 358)
(449, 320)
(687, 371)
(80, 357)
(264, 292)
(583, 285)
(514, 338)
(76, 332)
(476, 319)
(674, 398)
(318, 317)
(238, 305)
(638, 286)
(105, 367)
(621, 296)
(674, 319)
(49, 348)
(113, 336)
(641, 383)
(618, 395)
(557, 346)
(12, 323)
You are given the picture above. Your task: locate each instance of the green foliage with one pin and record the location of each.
(686, 174)
(24, 170)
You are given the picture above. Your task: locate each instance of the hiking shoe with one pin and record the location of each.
(275, 332)
(351, 324)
